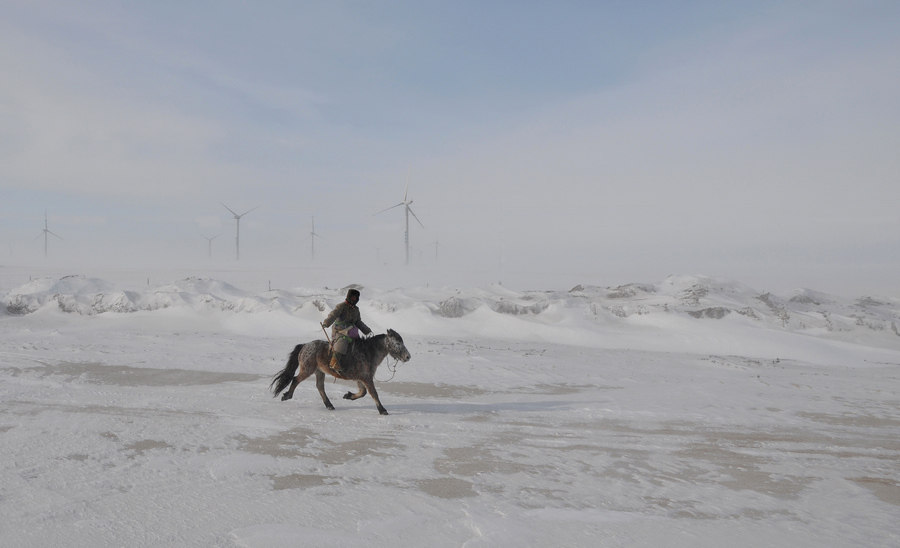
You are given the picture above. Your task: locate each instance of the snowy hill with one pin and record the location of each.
(676, 303)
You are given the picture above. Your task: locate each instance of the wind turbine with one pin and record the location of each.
(405, 203)
(237, 239)
(210, 242)
(44, 234)
(312, 238)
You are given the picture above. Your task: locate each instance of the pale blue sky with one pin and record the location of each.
(578, 142)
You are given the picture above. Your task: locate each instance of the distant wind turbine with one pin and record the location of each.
(237, 239)
(312, 238)
(44, 234)
(405, 203)
(210, 242)
(436, 246)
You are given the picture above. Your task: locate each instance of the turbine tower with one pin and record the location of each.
(210, 242)
(312, 238)
(405, 203)
(44, 234)
(237, 239)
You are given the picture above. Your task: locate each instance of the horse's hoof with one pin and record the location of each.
(348, 396)
(330, 407)
(285, 397)
(383, 411)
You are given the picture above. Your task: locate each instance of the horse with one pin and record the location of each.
(359, 365)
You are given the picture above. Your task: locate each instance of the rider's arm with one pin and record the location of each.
(334, 315)
(363, 327)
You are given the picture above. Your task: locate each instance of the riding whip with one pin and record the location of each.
(330, 342)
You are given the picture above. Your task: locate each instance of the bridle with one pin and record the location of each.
(393, 369)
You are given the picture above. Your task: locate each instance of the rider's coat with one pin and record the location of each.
(345, 317)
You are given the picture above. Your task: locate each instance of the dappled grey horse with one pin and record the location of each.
(358, 365)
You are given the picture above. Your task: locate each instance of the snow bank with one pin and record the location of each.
(681, 313)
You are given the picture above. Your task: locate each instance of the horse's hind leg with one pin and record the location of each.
(361, 393)
(371, 386)
(301, 376)
(320, 384)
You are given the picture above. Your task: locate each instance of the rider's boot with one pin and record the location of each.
(335, 364)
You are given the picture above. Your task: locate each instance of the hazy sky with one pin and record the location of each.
(566, 142)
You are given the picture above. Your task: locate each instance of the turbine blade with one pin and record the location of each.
(414, 215)
(246, 212)
(57, 235)
(392, 207)
(229, 209)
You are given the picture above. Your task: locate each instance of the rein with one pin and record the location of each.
(392, 370)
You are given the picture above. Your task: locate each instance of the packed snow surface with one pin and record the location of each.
(689, 412)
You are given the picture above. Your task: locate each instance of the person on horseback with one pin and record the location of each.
(346, 323)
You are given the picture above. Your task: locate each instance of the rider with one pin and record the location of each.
(347, 325)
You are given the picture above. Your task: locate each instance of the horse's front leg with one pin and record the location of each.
(320, 384)
(368, 383)
(361, 393)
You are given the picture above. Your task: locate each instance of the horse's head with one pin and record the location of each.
(395, 346)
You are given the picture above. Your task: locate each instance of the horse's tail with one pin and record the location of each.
(284, 377)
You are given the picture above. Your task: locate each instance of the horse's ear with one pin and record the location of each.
(394, 334)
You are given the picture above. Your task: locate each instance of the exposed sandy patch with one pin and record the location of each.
(138, 448)
(447, 488)
(299, 481)
(886, 489)
(289, 444)
(98, 373)
(300, 442)
(846, 419)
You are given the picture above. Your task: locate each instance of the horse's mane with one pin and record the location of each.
(373, 339)
(366, 345)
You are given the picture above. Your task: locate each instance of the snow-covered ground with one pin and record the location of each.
(689, 412)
